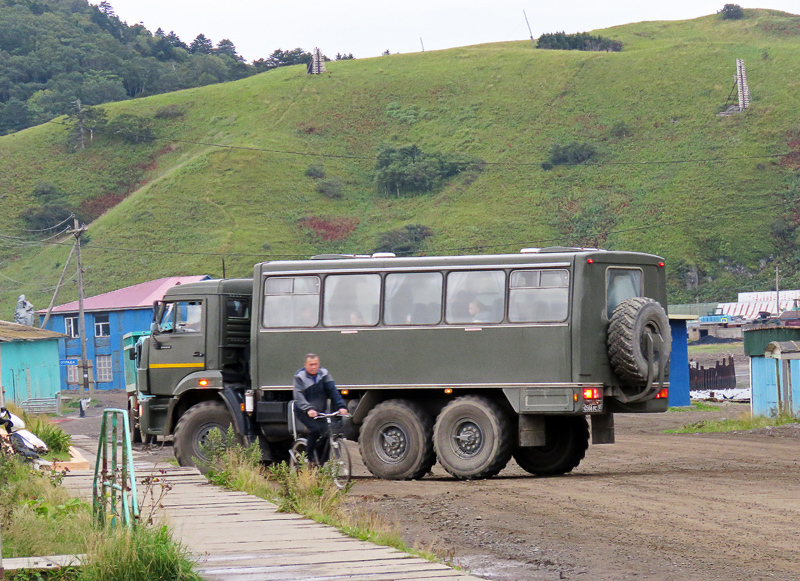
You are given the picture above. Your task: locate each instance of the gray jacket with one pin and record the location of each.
(314, 392)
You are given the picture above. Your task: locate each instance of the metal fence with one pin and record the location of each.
(721, 376)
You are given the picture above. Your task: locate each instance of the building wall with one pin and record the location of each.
(764, 387)
(29, 369)
(120, 322)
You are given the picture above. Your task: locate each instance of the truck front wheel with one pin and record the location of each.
(395, 441)
(191, 433)
(566, 441)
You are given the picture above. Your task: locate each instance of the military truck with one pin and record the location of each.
(464, 360)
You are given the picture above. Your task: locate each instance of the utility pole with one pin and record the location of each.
(58, 286)
(84, 366)
(777, 293)
(422, 43)
(529, 28)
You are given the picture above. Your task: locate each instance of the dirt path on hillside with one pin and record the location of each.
(655, 506)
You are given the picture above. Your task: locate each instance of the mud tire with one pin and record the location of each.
(396, 441)
(630, 321)
(472, 438)
(567, 439)
(193, 428)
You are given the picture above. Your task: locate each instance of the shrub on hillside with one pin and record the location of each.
(316, 171)
(47, 215)
(621, 129)
(131, 128)
(571, 154)
(404, 241)
(578, 41)
(731, 12)
(169, 112)
(409, 170)
(331, 188)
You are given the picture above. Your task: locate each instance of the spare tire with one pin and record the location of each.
(631, 322)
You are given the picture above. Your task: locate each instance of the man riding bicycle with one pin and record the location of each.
(313, 387)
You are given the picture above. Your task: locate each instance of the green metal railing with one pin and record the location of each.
(114, 487)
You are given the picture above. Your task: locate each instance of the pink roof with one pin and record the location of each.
(138, 296)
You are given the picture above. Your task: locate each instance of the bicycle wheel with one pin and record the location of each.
(297, 453)
(340, 462)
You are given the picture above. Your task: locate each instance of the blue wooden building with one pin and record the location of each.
(29, 362)
(109, 317)
(774, 371)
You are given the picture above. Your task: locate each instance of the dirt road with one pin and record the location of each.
(655, 506)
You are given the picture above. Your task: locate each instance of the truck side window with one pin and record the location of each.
(413, 298)
(291, 301)
(621, 284)
(352, 300)
(475, 297)
(538, 296)
(189, 315)
(167, 323)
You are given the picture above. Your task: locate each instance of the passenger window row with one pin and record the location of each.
(472, 297)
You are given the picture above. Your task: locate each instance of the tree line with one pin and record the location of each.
(56, 52)
(578, 41)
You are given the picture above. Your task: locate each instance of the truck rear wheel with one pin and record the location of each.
(395, 441)
(566, 441)
(472, 438)
(191, 433)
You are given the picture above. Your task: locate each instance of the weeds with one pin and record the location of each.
(745, 421)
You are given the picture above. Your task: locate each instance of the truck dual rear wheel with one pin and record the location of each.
(472, 438)
(566, 441)
(191, 433)
(395, 441)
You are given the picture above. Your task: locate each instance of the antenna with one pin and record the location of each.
(529, 28)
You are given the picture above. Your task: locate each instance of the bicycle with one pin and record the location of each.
(334, 448)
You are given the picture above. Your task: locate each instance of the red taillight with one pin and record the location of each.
(592, 393)
(203, 383)
(663, 394)
(590, 261)
(662, 263)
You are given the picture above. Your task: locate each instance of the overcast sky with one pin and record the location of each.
(366, 28)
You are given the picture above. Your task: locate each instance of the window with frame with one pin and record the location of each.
(71, 327)
(351, 300)
(413, 298)
(103, 370)
(622, 284)
(291, 301)
(475, 296)
(102, 327)
(538, 296)
(72, 374)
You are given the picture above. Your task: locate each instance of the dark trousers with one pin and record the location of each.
(316, 429)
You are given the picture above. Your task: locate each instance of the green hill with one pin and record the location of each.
(649, 111)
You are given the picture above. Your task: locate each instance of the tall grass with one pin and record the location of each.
(56, 439)
(311, 492)
(140, 553)
(745, 421)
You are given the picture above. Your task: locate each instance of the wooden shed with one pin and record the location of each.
(774, 369)
(29, 363)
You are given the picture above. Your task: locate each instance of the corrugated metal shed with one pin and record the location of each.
(13, 332)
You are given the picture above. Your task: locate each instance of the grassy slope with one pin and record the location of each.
(501, 102)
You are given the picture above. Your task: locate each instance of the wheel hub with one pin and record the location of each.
(467, 439)
(392, 444)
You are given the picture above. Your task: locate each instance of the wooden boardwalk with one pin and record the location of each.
(239, 537)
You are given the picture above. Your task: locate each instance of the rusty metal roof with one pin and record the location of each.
(13, 332)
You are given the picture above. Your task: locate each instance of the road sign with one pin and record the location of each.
(67, 361)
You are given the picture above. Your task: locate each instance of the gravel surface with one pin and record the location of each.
(655, 506)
